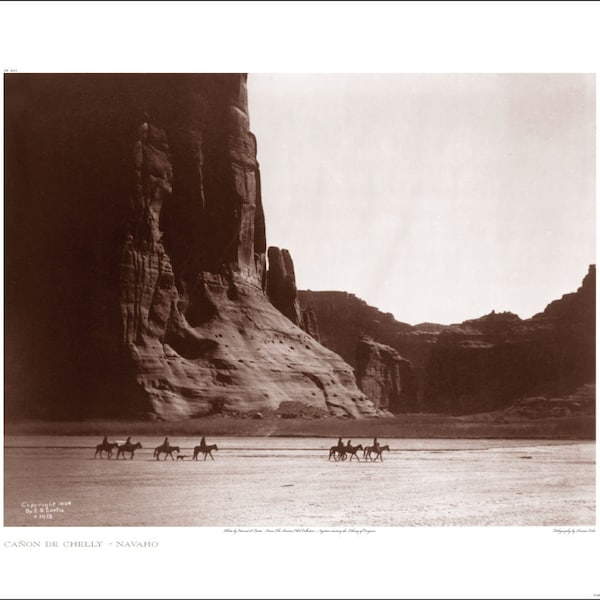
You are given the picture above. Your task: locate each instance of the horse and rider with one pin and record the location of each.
(128, 446)
(205, 449)
(166, 449)
(105, 446)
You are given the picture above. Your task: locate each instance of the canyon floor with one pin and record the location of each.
(282, 481)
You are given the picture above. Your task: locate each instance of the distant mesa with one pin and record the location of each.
(479, 365)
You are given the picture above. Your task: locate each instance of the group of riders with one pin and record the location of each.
(341, 445)
(343, 451)
(122, 449)
(338, 451)
(166, 447)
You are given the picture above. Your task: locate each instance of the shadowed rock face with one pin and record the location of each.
(490, 362)
(481, 364)
(384, 376)
(281, 284)
(310, 324)
(136, 256)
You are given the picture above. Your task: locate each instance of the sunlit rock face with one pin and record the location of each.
(136, 256)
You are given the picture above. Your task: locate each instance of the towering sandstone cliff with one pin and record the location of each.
(136, 256)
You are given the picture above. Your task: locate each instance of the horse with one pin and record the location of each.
(106, 447)
(128, 447)
(206, 450)
(352, 451)
(335, 450)
(369, 450)
(166, 450)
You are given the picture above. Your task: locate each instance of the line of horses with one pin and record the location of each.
(165, 448)
(348, 452)
(338, 452)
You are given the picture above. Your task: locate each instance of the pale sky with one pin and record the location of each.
(433, 197)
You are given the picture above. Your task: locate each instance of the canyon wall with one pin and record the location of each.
(136, 256)
(478, 365)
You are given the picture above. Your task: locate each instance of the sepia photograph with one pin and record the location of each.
(440, 328)
(305, 307)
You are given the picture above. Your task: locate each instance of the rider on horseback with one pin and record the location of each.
(375, 444)
(202, 444)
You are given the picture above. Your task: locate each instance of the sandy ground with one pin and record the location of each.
(262, 482)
